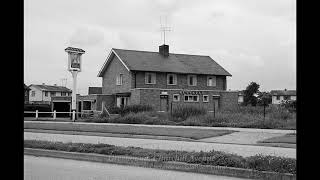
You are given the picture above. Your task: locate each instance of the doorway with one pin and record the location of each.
(164, 104)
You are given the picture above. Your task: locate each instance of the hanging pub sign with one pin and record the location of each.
(74, 58)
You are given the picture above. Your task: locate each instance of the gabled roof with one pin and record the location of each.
(26, 87)
(283, 92)
(95, 90)
(176, 63)
(51, 88)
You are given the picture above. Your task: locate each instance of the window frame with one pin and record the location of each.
(207, 98)
(174, 99)
(175, 79)
(53, 94)
(187, 95)
(152, 75)
(214, 83)
(119, 79)
(46, 93)
(277, 97)
(33, 93)
(194, 80)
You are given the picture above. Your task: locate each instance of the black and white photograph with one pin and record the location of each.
(159, 89)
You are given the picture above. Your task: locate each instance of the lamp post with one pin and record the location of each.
(74, 66)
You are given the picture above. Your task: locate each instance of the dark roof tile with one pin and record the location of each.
(175, 63)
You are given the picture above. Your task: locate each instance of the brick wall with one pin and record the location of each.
(161, 82)
(152, 97)
(109, 78)
(228, 99)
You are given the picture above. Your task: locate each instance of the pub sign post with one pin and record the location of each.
(74, 66)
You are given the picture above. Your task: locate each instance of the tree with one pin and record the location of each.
(264, 98)
(249, 94)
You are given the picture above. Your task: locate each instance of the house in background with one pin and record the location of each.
(26, 93)
(42, 94)
(162, 79)
(281, 95)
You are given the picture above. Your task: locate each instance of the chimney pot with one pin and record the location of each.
(55, 84)
(43, 84)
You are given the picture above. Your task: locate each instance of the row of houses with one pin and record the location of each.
(277, 96)
(160, 79)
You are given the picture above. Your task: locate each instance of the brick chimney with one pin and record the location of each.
(164, 50)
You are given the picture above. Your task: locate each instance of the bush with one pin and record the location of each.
(272, 163)
(135, 109)
(40, 108)
(182, 112)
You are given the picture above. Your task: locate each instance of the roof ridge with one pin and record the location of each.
(158, 52)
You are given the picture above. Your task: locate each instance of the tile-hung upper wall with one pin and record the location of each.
(109, 85)
(138, 81)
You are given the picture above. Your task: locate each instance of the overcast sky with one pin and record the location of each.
(253, 40)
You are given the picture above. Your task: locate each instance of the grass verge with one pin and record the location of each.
(215, 158)
(191, 133)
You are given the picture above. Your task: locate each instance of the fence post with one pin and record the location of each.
(54, 114)
(264, 111)
(171, 109)
(214, 109)
(36, 114)
(74, 115)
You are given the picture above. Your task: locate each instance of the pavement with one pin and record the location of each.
(240, 149)
(44, 168)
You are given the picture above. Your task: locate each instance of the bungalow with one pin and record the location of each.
(281, 95)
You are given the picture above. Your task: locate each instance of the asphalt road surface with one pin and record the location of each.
(44, 168)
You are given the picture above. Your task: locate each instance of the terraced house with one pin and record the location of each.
(164, 79)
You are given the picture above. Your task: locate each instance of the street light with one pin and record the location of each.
(74, 66)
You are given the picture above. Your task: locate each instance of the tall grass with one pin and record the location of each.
(182, 112)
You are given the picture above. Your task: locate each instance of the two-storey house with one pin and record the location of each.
(42, 93)
(164, 79)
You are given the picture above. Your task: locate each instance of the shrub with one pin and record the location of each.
(39, 107)
(182, 112)
(272, 163)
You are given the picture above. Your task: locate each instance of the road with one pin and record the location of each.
(243, 150)
(44, 168)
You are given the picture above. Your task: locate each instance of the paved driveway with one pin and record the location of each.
(243, 150)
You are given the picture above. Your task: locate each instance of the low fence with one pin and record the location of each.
(84, 113)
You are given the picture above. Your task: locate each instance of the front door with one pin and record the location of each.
(215, 104)
(164, 103)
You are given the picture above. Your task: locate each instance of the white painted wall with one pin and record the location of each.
(38, 95)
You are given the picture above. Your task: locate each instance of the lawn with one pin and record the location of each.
(191, 133)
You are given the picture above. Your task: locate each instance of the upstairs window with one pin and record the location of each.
(119, 79)
(192, 80)
(150, 78)
(278, 97)
(172, 79)
(33, 93)
(53, 93)
(46, 94)
(211, 81)
(63, 93)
